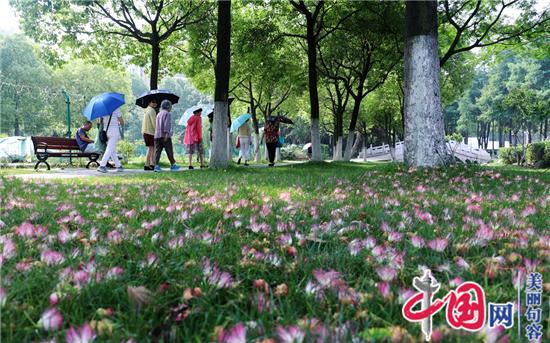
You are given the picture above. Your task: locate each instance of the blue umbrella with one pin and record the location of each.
(239, 121)
(206, 110)
(103, 105)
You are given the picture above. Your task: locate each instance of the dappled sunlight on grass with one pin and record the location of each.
(335, 244)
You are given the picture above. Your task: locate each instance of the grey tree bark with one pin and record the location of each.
(219, 158)
(424, 129)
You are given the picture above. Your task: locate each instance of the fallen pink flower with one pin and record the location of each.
(417, 242)
(2, 296)
(386, 273)
(290, 334)
(51, 319)
(529, 210)
(114, 273)
(8, 247)
(285, 196)
(84, 334)
(325, 278)
(28, 230)
(404, 294)
(395, 236)
(438, 244)
(130, 214)
(51, 257)
(54, 299)
(237, 334)
(81, 277)
(384, 289)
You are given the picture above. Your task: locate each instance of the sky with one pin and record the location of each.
(8, 19)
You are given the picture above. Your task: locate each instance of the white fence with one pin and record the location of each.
(461, 151)
(16, 147)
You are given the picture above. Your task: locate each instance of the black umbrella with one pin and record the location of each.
(285, 120)
(158, 95)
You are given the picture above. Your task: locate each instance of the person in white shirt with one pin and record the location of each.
(113, 136)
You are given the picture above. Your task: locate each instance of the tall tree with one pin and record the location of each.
(468, 25)
(314, 14)
(424, 129)
(113, 28)
(25, 85)
(219, 158)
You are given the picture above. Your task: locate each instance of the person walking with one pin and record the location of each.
(193, 138)
(163, 136)
(271, 134)
(245, 137)
(113, 136)
(148, 130)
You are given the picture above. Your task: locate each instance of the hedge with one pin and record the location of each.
(536, 155)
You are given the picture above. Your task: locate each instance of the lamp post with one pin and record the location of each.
(68, 102)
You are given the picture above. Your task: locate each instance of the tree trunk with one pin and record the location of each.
(545, 134)
(221, 106)
(313, 93)
(337, 156)
(353, 123)
(424, 129)
(358, 143)
(478, 133)
(339, 133)
(486, 135)
(500, 136)
(155, 55)
(16, 127)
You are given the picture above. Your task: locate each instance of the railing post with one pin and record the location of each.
(68, 102)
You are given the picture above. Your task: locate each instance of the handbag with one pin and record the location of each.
(103, 133)
(238, 143)
(280, 141)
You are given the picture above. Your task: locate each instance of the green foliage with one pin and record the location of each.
(127, 149)
(25, 88)
(293, 152)
(157, 229)
(457, 137)
(511, 155)
(538, 154)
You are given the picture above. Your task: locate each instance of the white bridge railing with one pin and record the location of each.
(461, 151)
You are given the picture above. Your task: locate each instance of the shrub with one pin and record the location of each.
(126, 149)
(538, 154)
(457, 137)
(292, 152)
(511, 155)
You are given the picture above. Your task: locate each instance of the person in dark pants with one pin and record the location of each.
(163, 136)
(271, 134)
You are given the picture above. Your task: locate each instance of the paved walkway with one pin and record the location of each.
(70, 173)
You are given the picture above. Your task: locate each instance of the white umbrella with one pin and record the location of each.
(306, 146)
(206, 109)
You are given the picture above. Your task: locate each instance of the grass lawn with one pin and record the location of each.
(324, 252)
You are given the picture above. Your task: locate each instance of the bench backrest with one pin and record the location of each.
(54, 143)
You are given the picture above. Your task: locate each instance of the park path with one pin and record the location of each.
(71, 173)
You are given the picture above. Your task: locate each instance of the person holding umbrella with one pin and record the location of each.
(193, 137)
(163, 135)
(113, 136)
(101, 106)
(244, 136)
(148, 129)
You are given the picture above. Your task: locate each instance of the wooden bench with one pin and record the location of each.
(45, 147)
